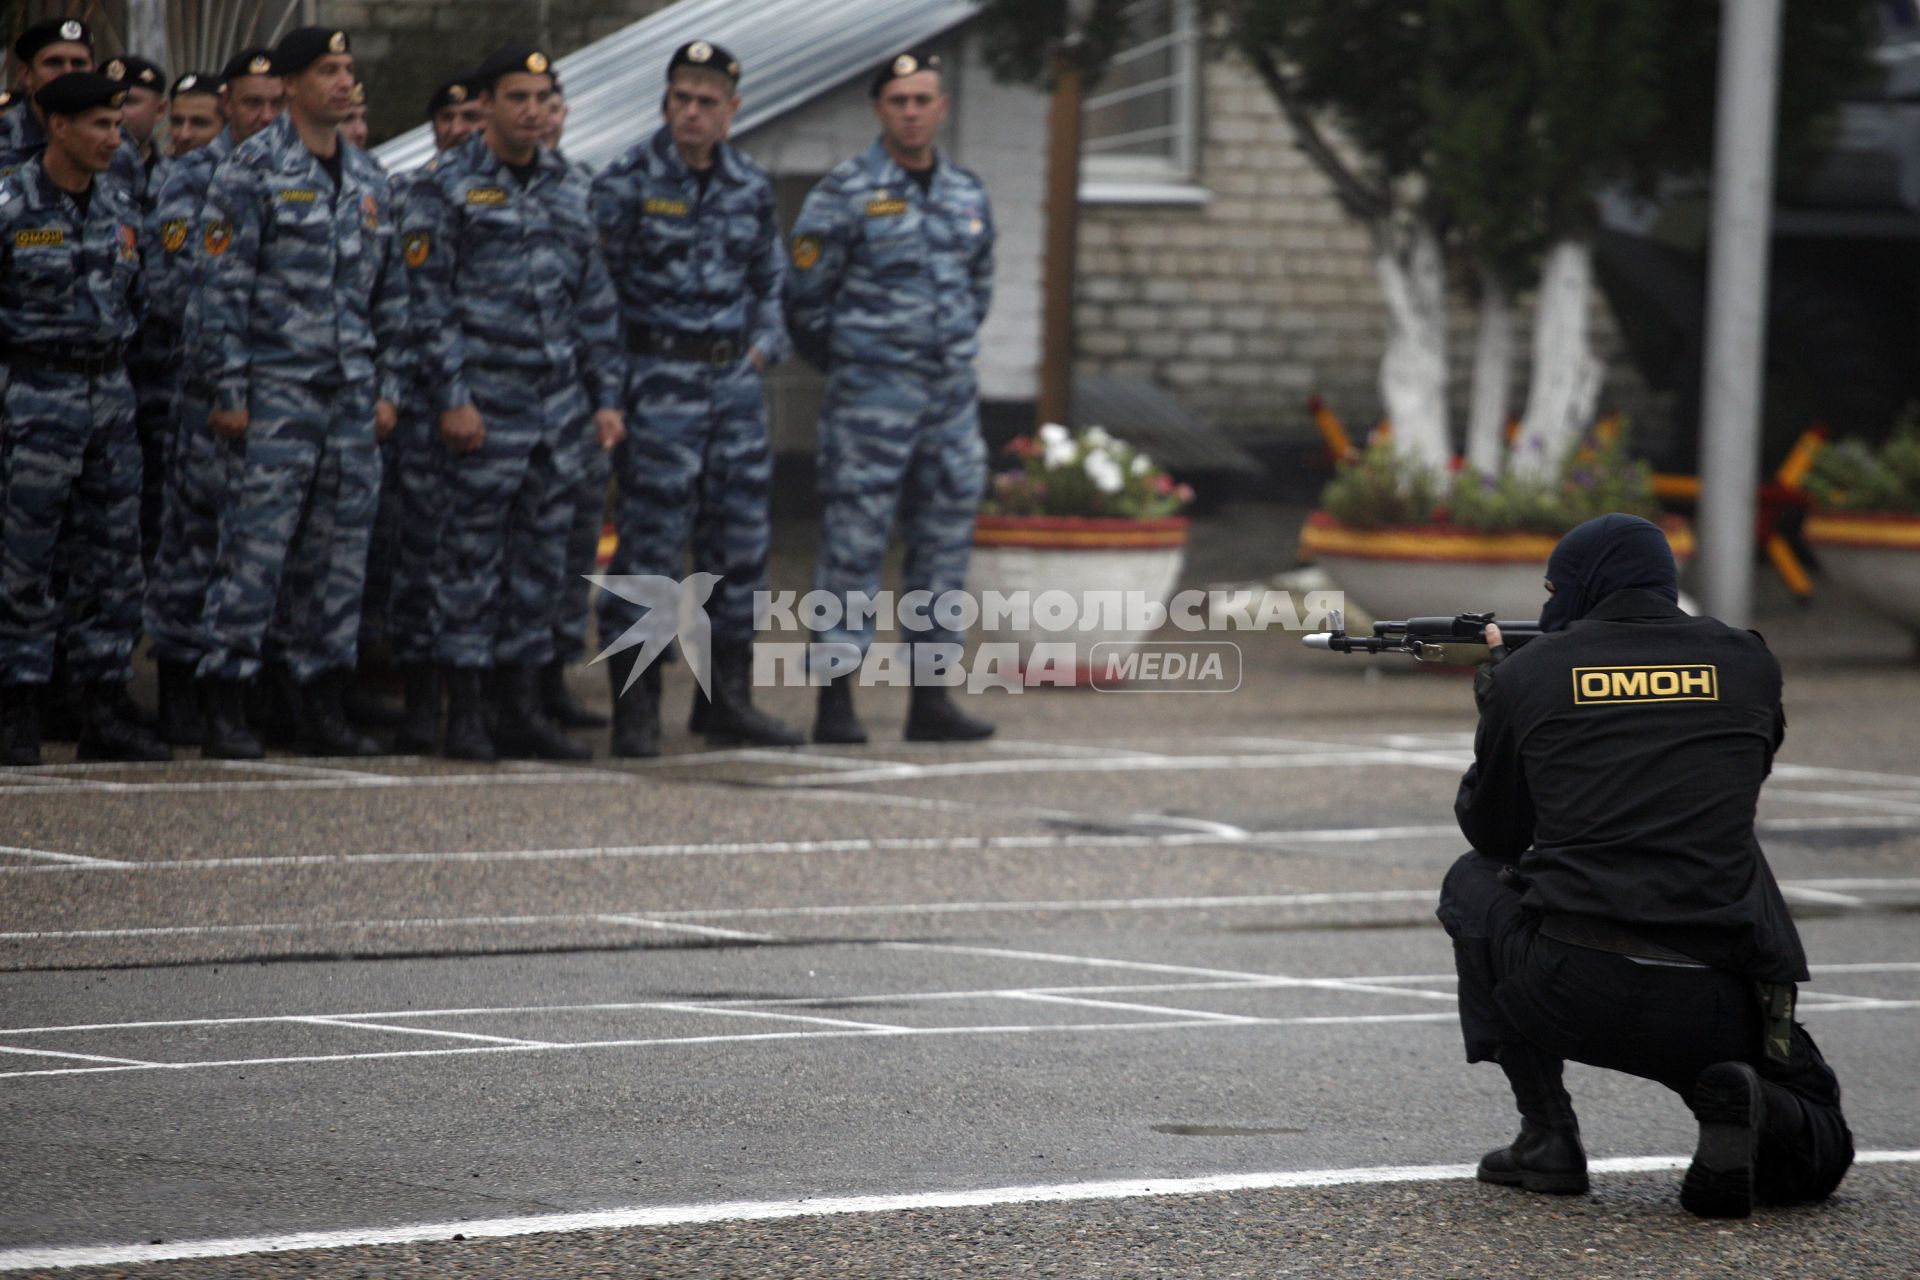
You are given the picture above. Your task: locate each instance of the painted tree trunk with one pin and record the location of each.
(1413, 372)
(1566, 377)
(1492, 376)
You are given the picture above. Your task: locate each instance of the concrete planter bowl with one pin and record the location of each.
(1411, 571)
(1874, 555)
(1080, 556)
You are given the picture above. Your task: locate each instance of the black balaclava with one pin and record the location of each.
(1604, 555)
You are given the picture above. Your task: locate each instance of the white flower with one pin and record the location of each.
(1097, 438)
(1060, 453)
(1054, 433)
(1142, 464)
(1104, 472)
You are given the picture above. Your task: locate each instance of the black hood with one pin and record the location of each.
(1607, 554)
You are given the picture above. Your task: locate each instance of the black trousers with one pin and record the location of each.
(1530, 1003)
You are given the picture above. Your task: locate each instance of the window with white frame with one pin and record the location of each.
(1139, 122)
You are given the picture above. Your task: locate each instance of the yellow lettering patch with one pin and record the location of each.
(298, 196)
(886, 208)
(667, 208)
(1690, 683)
(44, 238)
(487, 195)
(173, 235)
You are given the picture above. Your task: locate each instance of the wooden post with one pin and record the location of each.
(1063, 217)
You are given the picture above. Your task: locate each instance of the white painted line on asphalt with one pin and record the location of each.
(678, 926)
(680, 1215)
(1167, 1011)
(781, 1017)
(1027, 765)
(64, 859)
(1816, 773)
(421, 1031)
(1826, 896)
(80, 1057)
(1851, 800)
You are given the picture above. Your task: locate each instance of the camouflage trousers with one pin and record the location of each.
(420, 504)
(583, 557)
(502, 557)
(192, 495)
(696, 466)
(301, 491)
(906, 441)
(383, 549)
(69, 490)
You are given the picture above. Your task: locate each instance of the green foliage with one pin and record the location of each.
(1852, 476)
(1383, 487)
(1019, 37)
(1089, 473)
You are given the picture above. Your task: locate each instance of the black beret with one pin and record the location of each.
(80, 91)
(515, 59)
(136, 72)
(707, 56)
(457, 89)
(196, 82)
(257, 61)
(52, 31)
(304, 46)
(897, 68)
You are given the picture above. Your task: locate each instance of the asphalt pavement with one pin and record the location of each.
(1143, 986)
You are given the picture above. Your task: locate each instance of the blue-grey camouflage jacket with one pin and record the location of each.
(507, 277)
(883, 274)
(301, 282)
(688, 262)
(176, 233)
(65, 281)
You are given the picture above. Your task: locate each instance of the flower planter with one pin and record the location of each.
(1078, 555)
(1874, 555)
(1409, 571)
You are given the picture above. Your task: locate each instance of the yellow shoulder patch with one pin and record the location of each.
(219, 237)
(415, 248)
(1681, 682)
(173, 235)
(806, 252)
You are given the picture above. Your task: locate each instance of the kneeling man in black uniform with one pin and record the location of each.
(1616, 908)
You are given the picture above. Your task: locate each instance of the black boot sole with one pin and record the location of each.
(839, 736)
(94, 751)
(1731, 1109)
(1552, 1184)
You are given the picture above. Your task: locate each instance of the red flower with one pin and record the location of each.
(1023, 447)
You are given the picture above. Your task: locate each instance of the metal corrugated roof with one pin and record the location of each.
(793, 51)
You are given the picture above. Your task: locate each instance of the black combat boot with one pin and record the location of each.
(225, 734)
(1729, 1101)
(367, 702)
(559, 703)
(273, 706)
(932, 717)
(522, 730)
(636, 711)
(179, 705)
(467, 736)
(107, 733)
(732, 719)
(1540, 1159)
(61, 719)
(321, 714)
(19, 724)
(833, 720)
(419, 732)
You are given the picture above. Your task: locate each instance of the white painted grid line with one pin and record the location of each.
(680, 926)
(655, 1216)
(81, 1057)
(67, 860)
(1168, 1011)
(424, 1031)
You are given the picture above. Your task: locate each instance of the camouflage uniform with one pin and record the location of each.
(887, 294)
(156, 383)
(302, 325)
(694, 265)
(193, 482)
(69, 456)
(516, 316)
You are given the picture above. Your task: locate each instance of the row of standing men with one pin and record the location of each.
(442, 370)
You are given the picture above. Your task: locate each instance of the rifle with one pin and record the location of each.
(1421, 637)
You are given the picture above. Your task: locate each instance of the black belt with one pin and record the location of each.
(709, 348)
(89, 362)
(1605, 935)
